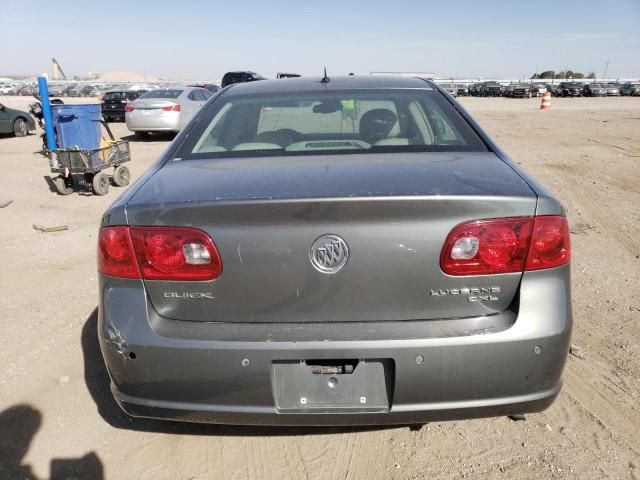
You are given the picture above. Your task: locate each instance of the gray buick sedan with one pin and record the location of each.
(334, 251)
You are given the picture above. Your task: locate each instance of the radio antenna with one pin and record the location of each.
(325, 79)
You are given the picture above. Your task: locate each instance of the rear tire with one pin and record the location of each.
(63, 186)
(100, 184)
(20, 128)
(121, 176)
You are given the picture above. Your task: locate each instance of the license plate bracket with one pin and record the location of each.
(297, 389)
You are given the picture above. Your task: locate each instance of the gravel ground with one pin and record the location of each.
(57, 419)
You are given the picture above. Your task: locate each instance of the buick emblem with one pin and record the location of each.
(329, 253)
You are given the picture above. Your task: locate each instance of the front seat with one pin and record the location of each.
(375, 125)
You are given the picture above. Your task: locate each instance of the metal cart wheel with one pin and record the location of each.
(121, 176)
(100, 184)
(63, 186)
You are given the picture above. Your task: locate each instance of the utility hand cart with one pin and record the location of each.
(82, 154)
(80, 169)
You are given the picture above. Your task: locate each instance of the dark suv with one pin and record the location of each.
(240, 77)
(490, 89)
(114, 102)
(569, 89)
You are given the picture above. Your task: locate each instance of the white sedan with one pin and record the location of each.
(165, 109)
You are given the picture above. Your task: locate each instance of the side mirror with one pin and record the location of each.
(2, 108)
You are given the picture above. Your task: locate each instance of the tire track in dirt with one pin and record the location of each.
(578, 191)
(611, 413)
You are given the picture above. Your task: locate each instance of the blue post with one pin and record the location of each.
(46, 113)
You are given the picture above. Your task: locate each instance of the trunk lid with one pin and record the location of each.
(153, 104)
(393, 211)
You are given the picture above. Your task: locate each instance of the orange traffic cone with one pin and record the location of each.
(546, 101)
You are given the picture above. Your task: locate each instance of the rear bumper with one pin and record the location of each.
(187, 374)
(266, 415)
(160, 122)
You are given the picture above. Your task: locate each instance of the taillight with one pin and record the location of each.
(505, 245)
(551, 243)
(172, 108)
(158, 253)
(129, 108)
(115, 253)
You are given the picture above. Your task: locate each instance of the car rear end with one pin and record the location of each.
(462, 90)
(612, 90)
(155, 111)
(113, 105)
(521, 91)
(492, 90)
(334, 288)
(572, 90)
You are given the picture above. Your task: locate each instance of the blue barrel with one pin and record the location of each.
(77, 126)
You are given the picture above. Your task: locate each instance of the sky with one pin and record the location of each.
(200, 40)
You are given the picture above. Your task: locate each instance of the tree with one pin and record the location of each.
(547, 74)
(591, 75)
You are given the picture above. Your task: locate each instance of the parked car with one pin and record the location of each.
(537, 89)
(213, 88)
(552, 88)
(506, 90)
(275, 267)
(569, 89)
(450, 89)
(613, 89)
(230, 78)
(490, 89)
(27, 90)
(521, 90)
(287, 75)
(89, 91)
(71, 91)
(5, 88)
(56, 90)
(165, 109)
(15, 121)
(630, 89)
(114, 103)
(462, 90)
(594, 90)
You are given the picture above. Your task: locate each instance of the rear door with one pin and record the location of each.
(193, 102)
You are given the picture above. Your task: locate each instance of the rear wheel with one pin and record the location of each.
(64, 186)
(100, 184)
(121, 176)
(20, 128)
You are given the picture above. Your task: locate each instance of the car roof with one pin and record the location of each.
(307, 84)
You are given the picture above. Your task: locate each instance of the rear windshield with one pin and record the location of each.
(115, 96)
(358, 121)
(169, 93)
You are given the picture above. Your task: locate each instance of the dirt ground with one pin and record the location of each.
(57, 418)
